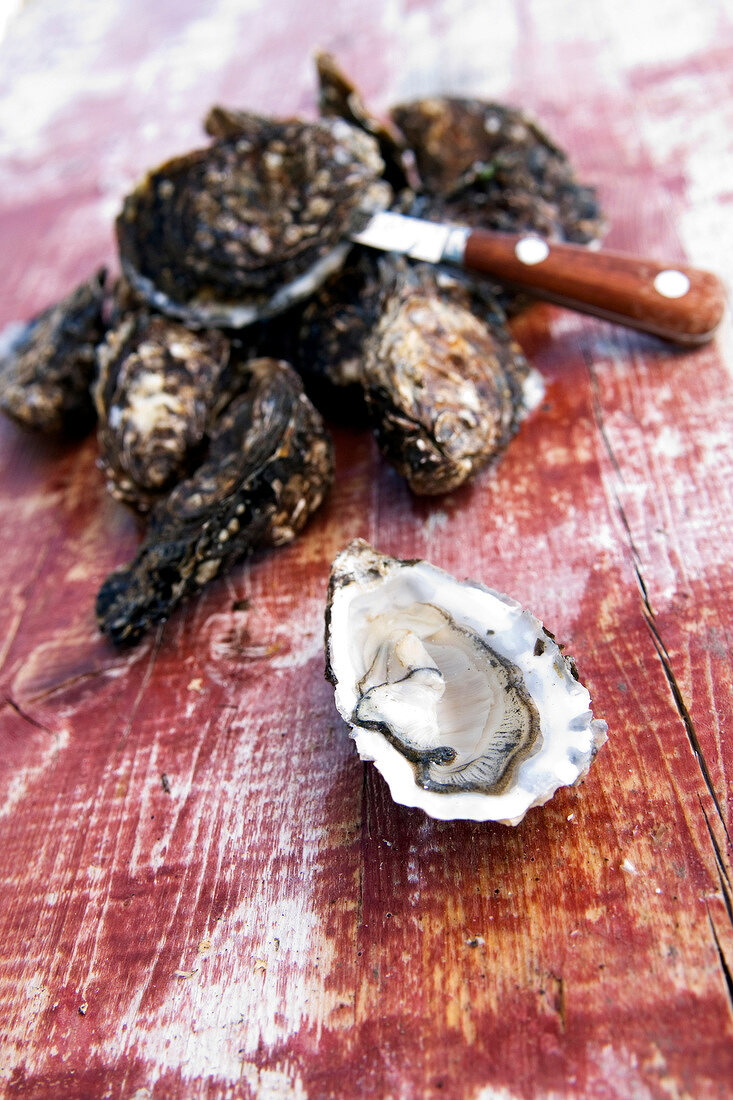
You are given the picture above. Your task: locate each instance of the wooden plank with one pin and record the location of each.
(273, 925)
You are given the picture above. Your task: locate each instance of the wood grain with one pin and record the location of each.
(615, 286)
(266, 922)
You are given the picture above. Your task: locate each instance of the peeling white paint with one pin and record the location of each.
(490, 1092)
(668, 443)
(49, 743)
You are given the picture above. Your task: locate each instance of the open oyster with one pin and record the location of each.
(463, 701)
(46, 374)
(268, 466)
(240, 230)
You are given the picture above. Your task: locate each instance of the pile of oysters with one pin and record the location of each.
(244, 315)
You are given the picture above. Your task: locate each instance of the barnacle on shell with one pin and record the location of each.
(156, 392)
(461, 698)
(268, 466)
(445, 384)
(46, 374)
(239, 230)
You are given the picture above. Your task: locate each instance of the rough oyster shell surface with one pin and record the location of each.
(239, 230)
(48, 369)
(445, 384)
(462, 700)
(333, 328)
(338, 97)
(157, 387)
(268, 466)
(488, 164)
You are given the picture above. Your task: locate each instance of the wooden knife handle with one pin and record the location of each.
(673, 301)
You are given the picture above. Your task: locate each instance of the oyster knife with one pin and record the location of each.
(673, 301)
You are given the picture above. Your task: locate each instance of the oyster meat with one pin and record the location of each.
(446, 386)
(157, 390)
(46, 374)
(240, 230)
(268, 466)
(460, 697)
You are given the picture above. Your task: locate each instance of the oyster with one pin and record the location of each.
(445, 388)
(122, 300)
(332, 330)
(472, 162)
(487, 164)
(338, 97)
(461, 699)
(156, 392)
(268, 467)
(240, 230)
(46, 373)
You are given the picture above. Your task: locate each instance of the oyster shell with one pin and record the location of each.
(487, 164)
(268, 467)
(157, 388)
(338, 97)
(46, 373)
(240, 230)
(462, 700)
(332, 330)
(445, 388)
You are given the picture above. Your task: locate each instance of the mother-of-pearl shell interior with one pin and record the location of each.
(464, 703)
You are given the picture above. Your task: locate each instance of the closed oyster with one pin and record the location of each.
(338, 97)
(487, 164)
(240, 230)
(156, 391)
(268, 466)
(122, 300)
(462, 700)
(332, 330)
(445, 388)
(46, 374)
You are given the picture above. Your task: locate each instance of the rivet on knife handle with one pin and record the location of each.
(673, 301)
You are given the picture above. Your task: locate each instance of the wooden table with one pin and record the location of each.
(272, 925)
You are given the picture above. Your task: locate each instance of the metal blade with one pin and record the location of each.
(413, 237)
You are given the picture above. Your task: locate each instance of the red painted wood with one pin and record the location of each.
(273, 925)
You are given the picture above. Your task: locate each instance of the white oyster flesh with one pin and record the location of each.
(460, 697)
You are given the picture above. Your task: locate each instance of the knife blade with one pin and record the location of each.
(673, 301)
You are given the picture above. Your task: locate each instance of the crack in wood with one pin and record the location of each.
(559, 1004)
(685, 716)
(725, 884)
(682, 709)
(716, 846)
(360, 909)
(721, 959)
(10, 702)
(648, 610)
(70, 681)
